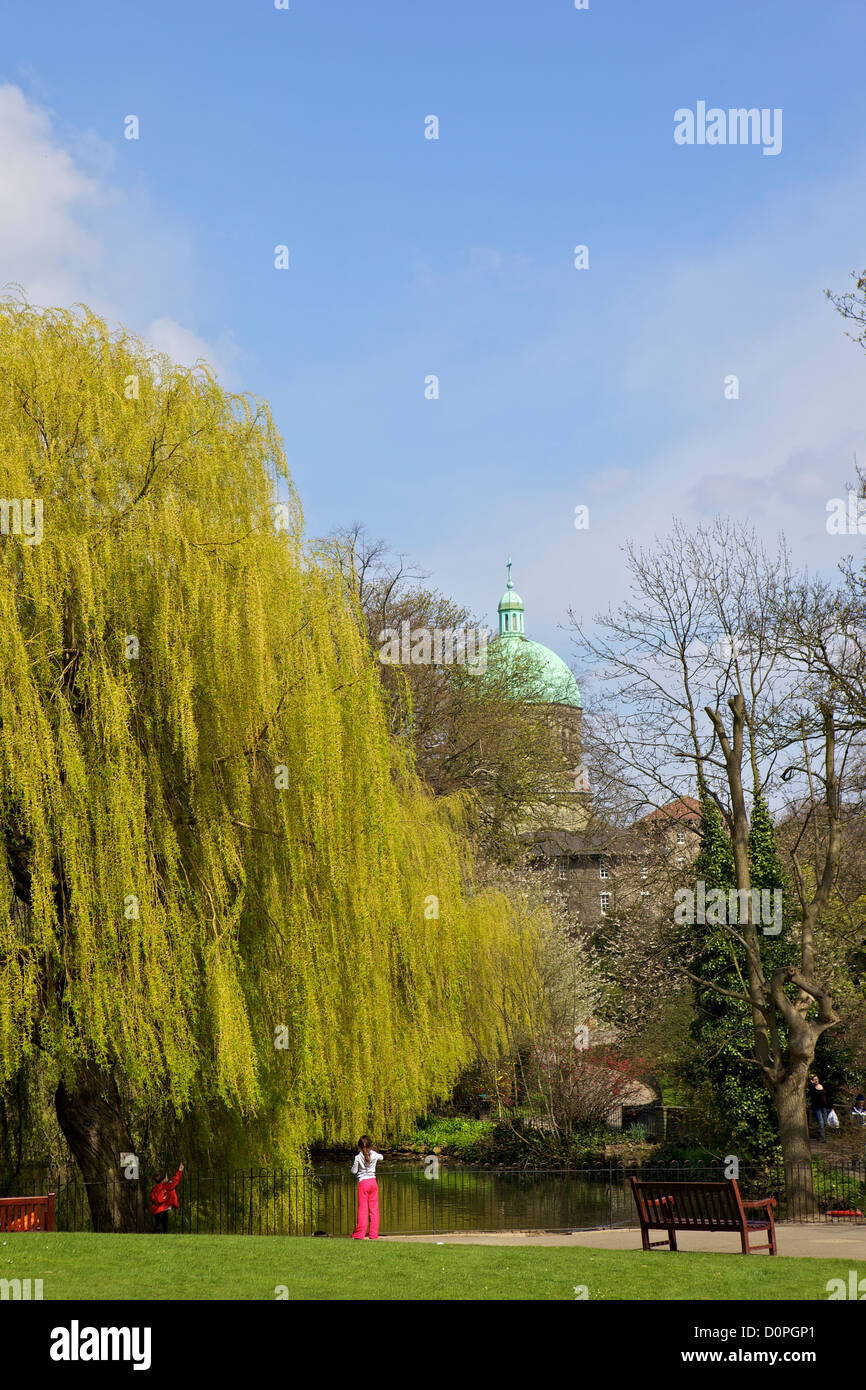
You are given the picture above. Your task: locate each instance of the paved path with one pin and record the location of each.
(820, 1241)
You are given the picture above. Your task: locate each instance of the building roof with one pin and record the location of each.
(681, 808)
(613, 841)
(606, 843)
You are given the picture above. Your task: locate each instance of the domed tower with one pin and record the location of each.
(554, 686)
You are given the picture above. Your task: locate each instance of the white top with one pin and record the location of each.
(363, 1168)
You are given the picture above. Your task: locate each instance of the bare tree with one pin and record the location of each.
(853, 305)
(706, 693)
(484, 738)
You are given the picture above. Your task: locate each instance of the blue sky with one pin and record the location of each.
(410, 256)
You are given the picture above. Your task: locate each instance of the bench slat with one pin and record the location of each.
(27, 1213)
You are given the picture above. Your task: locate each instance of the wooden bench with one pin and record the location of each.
(27, 1213)
(701, 1206)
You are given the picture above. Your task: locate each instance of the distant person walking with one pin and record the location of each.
(163, 1197)
(820, 1102)
(368, 1191)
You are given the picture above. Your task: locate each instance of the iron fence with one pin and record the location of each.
(279, 1202)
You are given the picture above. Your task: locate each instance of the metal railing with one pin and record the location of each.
(279, 1202)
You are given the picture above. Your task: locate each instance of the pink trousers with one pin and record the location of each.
(368, 1205)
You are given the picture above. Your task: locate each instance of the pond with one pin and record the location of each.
(471, 1199)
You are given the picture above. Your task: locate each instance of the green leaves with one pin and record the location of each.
(161, 651)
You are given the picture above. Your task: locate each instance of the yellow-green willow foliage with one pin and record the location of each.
(221, 848)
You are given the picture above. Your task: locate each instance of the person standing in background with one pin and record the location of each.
(820, 1102)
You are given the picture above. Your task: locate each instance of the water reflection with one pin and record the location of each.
(462, 1199)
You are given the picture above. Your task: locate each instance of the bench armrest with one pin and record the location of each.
(759, 1202)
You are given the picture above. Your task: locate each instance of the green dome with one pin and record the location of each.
(556, 684)
(554, 678)
(510, 599)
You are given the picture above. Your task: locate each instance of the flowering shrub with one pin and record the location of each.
(582, 1087)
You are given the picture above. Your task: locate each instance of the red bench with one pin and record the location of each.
(27, 1213)
(702, 1206)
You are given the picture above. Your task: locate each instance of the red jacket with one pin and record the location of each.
(164, 1196)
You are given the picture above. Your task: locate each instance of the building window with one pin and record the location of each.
(602, 869)
(604, 903)
(681, 837)
(680, 862)
(644, 871)
(644, 897)
(562, 868)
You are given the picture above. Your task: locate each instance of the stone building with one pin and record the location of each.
(604, 871)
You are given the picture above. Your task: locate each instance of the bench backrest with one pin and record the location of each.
(27, 1213)
(713, 1205)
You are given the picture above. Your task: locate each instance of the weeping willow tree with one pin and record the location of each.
(229, 892)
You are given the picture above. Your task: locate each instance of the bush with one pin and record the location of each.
(464, 1139)
(680, 1153)
(518, 1145)
(511, 1143)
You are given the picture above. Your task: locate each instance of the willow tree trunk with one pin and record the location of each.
(90, 1115)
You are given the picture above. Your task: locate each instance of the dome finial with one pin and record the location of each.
(510, 584)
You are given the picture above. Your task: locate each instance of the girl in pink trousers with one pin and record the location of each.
(368, 1192)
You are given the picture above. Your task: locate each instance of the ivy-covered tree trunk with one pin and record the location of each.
(90, 1115)
(790, 1008)
(722, 1031)
(760, 1116)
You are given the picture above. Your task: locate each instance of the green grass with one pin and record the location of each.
(79, 1266)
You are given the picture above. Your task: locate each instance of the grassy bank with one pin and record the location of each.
(77, 1266)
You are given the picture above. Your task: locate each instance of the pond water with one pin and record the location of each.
(463, 1199)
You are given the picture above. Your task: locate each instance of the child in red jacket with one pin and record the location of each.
(162, 1198)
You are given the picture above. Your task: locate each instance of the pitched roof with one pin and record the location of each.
(551, 843)
(681, 808)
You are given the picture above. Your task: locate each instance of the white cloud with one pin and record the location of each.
(188, 348)
(44, 245)
(70, 232)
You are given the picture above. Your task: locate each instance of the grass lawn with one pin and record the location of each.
(78, 1266)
